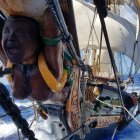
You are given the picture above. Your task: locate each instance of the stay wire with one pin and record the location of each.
(92, 27)
(131, 66)
(115, 106)
(4, 115)
(90, 34)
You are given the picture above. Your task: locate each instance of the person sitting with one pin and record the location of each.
(22, 48)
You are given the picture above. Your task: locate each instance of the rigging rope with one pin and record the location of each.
(102, 14)
(14, 112)
(131, 66)
(115, 106)
(90, 34)
(124, 60)
(91, 28)
(120, 65)
(67, 38)
(4, 115)
(99, 57)
(115, 131)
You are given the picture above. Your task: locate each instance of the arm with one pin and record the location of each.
(53, 53)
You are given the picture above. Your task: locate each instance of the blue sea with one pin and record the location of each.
(8, 130)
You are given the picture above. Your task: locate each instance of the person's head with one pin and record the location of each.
(20, 38)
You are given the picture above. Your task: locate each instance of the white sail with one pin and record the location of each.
(121, 33)
(31, 8)
(105, 67)
(130, 10)
(137, 4)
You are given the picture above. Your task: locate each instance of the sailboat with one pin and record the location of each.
(122, 36)
(103, 106)
(89, 29)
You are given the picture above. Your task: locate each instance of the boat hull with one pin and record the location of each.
(108, 119)
(98, 133)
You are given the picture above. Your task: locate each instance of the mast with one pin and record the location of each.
(102, 14)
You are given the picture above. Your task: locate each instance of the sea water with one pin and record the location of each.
(132, 131)
(8, 130)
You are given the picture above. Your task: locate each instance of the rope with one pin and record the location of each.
(90, 34)
(55, 8)
(115, 131)
(131, 66)
(15, 114)
(36, 116)
(102, 14)
(99, 57)
(18, 133)
(115, 106)
(91, 28)
(4, 115)
(126, 65)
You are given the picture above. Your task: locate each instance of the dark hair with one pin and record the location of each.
(33, 23)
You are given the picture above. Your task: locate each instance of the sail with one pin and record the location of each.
(137, 4)
(130, 10)
(104, 67)
(31, 8)
(121, 33)
(119, 2)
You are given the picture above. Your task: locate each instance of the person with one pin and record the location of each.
(39, 63)
(21, 47)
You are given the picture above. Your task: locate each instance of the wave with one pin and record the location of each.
(42, 129)
(131, 132)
